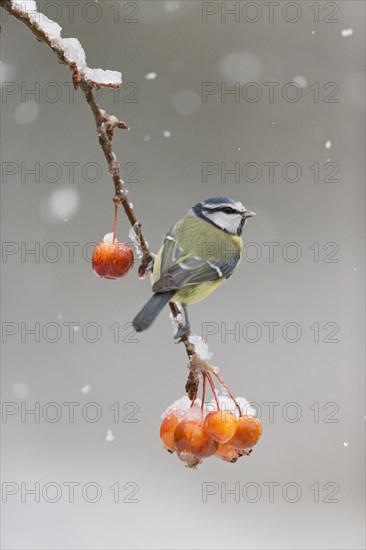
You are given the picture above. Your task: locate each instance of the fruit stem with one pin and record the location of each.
(213, 389)
(203, 390)
(115, 220)
(227, 389)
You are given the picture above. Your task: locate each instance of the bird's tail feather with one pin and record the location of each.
(151, 310)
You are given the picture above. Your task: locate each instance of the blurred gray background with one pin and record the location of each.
(314, 439)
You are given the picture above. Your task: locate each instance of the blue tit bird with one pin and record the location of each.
(198, 254)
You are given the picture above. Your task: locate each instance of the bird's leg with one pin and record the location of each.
(187, 324)
(183, 330)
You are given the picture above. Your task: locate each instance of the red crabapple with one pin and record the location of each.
(227, 453)
(167, 429)
(112, 260)
(220, 425)
(248, 431)
(190, 437)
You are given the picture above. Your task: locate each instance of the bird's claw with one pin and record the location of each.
(181, 333)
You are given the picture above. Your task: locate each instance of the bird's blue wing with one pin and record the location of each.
(179, 269)
(171, 252)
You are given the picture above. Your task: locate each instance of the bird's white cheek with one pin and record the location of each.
(218, 218)
(228, 222)
(235, 223)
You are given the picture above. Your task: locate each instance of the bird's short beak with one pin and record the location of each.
(248, 214)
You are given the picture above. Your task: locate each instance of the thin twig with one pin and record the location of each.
(116, 207)
(105, 141)
(220, 379)
(203, 390)
(210, 381)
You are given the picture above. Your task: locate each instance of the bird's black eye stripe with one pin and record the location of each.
(224, 209)
(229, 210)
(206, 211)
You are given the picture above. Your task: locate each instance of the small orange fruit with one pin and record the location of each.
(220, 425)
(167, 429)
(227, 453)
(190, 460)
(248, 431)
(190, 437)
(112, 260)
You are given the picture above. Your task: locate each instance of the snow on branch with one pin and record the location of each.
(69, 50)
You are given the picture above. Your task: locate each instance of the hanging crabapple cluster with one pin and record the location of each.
(195, 430)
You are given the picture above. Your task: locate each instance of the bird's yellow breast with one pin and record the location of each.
(195, 293)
